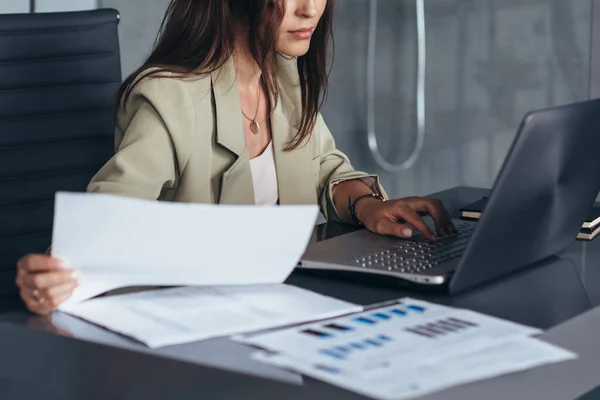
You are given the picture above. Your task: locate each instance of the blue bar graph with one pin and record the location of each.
(372, 342)
(365, 321)
(331, 353)
(342, 349)
(398, 312)
(384, 338)
(327, 368)
(381, 316)
(416, 308)
(341, 328)
(315, 333)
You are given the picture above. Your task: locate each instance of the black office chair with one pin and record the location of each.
(58, 76)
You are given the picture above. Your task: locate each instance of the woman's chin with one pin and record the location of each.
(295, 50)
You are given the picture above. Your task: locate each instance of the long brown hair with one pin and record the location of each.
(197, 37)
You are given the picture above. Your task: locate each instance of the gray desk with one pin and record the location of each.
(65, 358)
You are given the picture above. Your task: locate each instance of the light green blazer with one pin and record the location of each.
(182, 140)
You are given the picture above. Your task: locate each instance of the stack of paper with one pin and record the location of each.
(173, 316)
(236, 259)
(405, 350)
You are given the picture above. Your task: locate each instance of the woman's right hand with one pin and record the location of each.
(44, 282)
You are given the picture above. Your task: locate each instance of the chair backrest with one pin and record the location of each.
(58, 76)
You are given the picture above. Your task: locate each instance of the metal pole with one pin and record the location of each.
(594, 75)
(420, 95)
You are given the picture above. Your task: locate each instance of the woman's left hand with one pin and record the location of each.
(389, 217)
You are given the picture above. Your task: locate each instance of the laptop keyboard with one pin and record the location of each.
(418, 256)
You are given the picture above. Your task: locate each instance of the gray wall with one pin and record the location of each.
(140, 20)
(14, 6)
(25, 6)
(489, 62)
(64, 5)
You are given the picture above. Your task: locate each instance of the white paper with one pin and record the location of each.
(391, 339)
(117, 241)
(405, 349)
(415, 380)
(172, 316)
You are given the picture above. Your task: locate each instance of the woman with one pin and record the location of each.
(226, 110)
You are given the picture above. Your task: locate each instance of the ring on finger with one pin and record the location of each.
(37, 297)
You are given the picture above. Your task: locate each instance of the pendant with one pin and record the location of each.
(254, 127)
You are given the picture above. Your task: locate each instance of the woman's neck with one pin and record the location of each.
(247, 71)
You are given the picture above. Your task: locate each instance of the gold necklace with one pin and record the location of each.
(254, 125)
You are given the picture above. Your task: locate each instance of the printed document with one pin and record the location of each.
(178, 315)
(404, 349)
(119, 242)
(428, 377)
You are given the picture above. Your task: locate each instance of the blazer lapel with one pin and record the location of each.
(296, 185)
(295, 182)
(236, 183)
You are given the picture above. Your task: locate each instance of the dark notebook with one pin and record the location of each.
(589, 229)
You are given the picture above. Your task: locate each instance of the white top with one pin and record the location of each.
(264, 177)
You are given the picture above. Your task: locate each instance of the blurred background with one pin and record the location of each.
(488, 62)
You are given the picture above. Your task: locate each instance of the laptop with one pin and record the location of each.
(541, 196)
